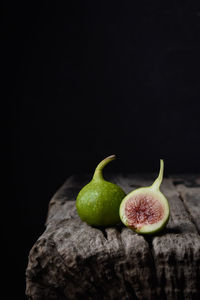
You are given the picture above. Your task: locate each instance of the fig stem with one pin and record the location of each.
(159, 179)
(98, 171)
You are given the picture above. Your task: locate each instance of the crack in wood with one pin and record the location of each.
(119, 227)
(103, 230)
(188, 212)
(186, 182)
(149, 240)
(135, 186)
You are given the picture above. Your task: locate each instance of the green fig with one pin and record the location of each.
(98, 202)
(146, 210)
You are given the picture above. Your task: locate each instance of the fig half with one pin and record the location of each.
(146, 210)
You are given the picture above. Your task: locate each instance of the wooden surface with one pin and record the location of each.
(72, 260)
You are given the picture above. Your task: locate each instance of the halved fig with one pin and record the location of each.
(146, 210)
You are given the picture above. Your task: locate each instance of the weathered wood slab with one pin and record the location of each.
(72, 260)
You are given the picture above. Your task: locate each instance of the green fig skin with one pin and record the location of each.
(98, 202)
(154, 192)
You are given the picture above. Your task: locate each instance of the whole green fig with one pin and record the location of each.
(98, 202)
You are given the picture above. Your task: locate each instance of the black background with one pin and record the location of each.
(87, 79)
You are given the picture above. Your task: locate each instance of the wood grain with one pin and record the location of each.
(72, 260)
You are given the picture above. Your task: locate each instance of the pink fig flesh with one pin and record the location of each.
(142, 210)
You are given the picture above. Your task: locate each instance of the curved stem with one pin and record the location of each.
(159, 179)
(98, 171)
